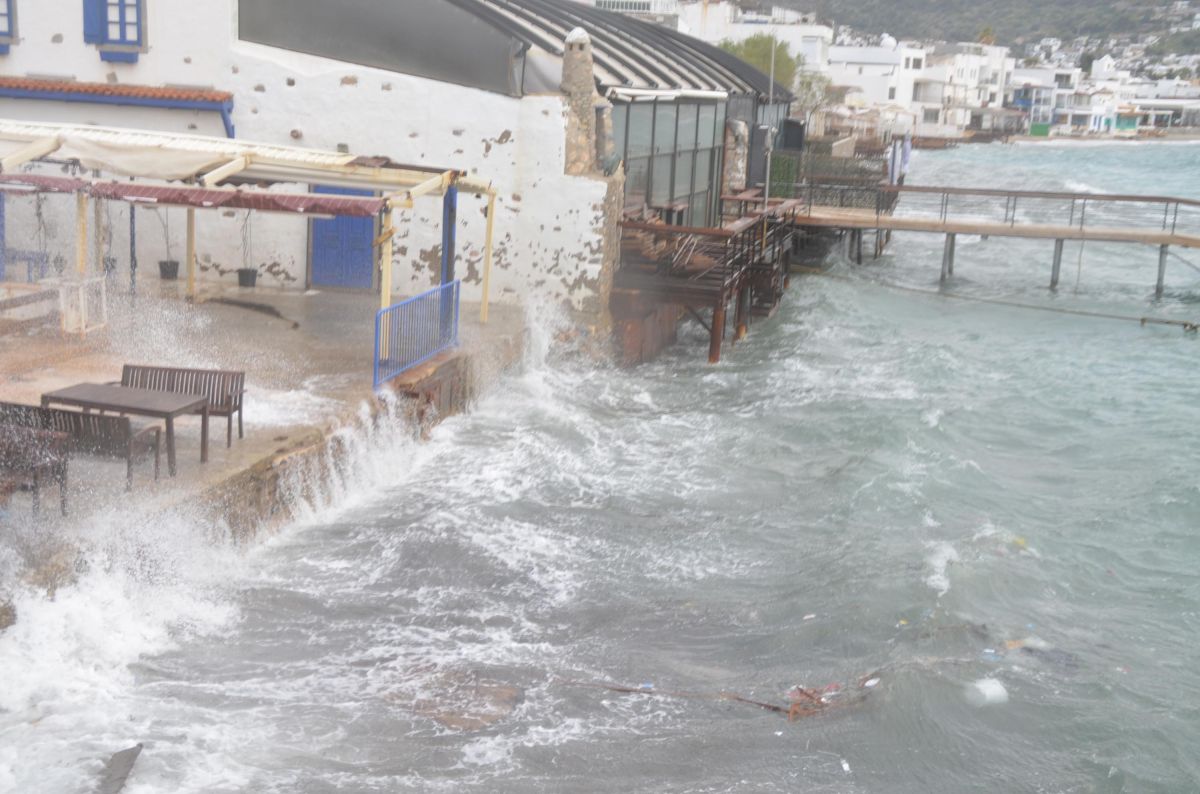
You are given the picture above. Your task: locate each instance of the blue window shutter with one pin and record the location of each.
(93, 21)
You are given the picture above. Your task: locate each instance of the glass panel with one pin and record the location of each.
(114, 12)
(131, 33)
(698, 212)
(664, 128)
(660, 181)
(620, 115)
(707, 132)
(636, 171)
(687, 128)
(114, 31)
(704, 159)
(683, 175)
(641, 117)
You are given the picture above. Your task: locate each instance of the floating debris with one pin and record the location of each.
(803, 702)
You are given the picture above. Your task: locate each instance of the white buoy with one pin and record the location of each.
(986, 692)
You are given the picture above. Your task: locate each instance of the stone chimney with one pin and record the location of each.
(579, 86)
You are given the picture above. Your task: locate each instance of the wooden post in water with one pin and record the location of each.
(948, 257)
(741, 314)
(716, 332)
(858, 243)
(1057, 266)
(1162, 272)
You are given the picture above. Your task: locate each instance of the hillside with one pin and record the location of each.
(1012, 21)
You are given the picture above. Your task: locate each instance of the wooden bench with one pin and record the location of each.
(91, 434)
(223, 388)
(29, 457)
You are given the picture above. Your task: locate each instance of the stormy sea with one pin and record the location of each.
(895, 541)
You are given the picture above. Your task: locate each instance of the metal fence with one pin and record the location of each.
(415, 330)
(1015, 208)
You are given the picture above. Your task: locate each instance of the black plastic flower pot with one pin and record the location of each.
(247, 277)
(168, 269)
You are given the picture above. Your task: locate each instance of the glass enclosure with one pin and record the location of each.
(673, 152)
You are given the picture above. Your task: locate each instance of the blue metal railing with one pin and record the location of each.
(415, 330)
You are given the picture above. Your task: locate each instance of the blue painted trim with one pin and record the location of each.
(449, 232)
(224, 108)
(118, 56)
(227, 119)
(4, 49)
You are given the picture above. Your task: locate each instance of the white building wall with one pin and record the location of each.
(548, 225)
(724, 21)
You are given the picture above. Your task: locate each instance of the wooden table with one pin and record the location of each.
(138, 402)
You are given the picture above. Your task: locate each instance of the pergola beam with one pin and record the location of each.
(32, 151)
(437, 183)
(223, 172)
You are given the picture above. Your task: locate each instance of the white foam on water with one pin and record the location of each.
(986, 692)
(144, 582)
(941, 557)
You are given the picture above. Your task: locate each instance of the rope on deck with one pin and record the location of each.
(1187, 325)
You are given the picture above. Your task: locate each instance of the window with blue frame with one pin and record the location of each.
(116, 27)
(8, 25)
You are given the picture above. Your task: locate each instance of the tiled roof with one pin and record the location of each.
(114, 90)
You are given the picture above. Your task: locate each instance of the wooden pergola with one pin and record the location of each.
(198, 172)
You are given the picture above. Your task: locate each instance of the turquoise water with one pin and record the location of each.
(876, 484)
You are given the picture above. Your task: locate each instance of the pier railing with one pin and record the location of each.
(415, 330)
(1014, 208)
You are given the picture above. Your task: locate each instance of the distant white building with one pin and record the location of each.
(726, 21)
(878, 76)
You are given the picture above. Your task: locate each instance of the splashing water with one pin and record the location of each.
(873, 483)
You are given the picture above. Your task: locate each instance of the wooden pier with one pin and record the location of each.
(667, 270)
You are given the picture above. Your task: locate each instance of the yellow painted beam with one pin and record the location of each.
(223, 172)
(81, 232)
(35, 149)
(437, 183)
(385, 261)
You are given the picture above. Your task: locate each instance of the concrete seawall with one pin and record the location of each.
(309, 391)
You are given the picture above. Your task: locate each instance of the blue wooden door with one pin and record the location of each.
(342, 250)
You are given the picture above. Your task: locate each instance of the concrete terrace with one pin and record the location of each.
(307, 358)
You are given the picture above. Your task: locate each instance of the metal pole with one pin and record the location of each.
(770, 139)
(191, 253)
(132, 250)
(487, 256)
(1057, 266)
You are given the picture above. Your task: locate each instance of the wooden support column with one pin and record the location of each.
(487, 256)
(858, 244)
(948, 257)
(1056, 268)
(191, 253)
(385, 258)
(81, 232)
(716, 333)
(1162, 271)
(741, 314)
(97, 237)
(878, 243)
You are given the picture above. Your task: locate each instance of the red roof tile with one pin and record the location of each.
(114, 90)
